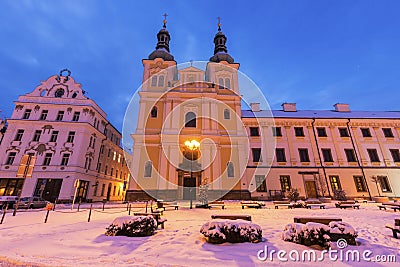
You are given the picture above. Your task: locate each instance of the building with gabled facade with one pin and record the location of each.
(69, 143)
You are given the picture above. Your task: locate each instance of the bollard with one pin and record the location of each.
(47, 215)
(54, 206)
(104, 202)
(146, 205)
(4, 214)
(90, 212)
(79, 204)
(129, 213)
(127, 206)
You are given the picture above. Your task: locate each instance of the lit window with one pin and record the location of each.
(285, 183)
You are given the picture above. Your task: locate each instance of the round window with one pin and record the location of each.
(59, 93)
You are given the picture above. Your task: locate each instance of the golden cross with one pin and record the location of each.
(219, 23)
(165, 20)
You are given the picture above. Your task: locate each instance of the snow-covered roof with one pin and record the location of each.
(322, 114)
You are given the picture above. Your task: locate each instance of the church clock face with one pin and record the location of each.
(59, 93)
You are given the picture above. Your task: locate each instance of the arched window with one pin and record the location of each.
(227, 114)
(228, 83)
(231, 169)
(154, 81)
(153, 112)
(190, 120)
(147, 169)
(221, 82)
(160, 81)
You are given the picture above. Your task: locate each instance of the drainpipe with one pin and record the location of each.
(319, 156)
(358, 160)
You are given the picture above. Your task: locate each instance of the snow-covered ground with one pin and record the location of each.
(67, 239)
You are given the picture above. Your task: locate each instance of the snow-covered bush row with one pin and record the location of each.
(319, 234)
(233, 231)
(132, 226)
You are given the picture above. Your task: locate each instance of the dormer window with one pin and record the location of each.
(59, 93)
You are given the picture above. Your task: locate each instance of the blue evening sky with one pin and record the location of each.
(315, 53)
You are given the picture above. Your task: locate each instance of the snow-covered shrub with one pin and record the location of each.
(316, 234)
(299, 204)
(132, 226)
(293, 232)
(339, 195)
(319, 234)
(292, 194)
(344, 230)
(233, 231)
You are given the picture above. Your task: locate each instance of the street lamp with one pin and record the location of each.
(192, 145)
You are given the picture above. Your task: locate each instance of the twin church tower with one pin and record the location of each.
(189, 131)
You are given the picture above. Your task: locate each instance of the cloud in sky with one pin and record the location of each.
(314, 53)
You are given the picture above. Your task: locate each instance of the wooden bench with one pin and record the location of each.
(395, 228)
(310, 204)
(156, 216)
(385, 207)
(323, 220)
(251, 204)
(360, 200)
(216, 204)
(347, 204)
(278, 204)
(163, 205)
(232, 217)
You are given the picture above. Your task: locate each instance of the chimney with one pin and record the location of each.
(290, 107)
(342, 107)
(255, 107)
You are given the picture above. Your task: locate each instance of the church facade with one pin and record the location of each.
(194, 131)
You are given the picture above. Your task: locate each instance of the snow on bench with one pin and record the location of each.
(347, 204)
(231, 217)
(310, 204)
(251, 204)
(323, 220)
(216, 204)
(278, 204)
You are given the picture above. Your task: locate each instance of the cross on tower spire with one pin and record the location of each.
(219, 24)
(165, 20)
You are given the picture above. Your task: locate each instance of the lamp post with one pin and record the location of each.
(192, 145)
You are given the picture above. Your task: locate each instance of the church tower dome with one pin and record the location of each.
(162, 48)
(220, 50)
